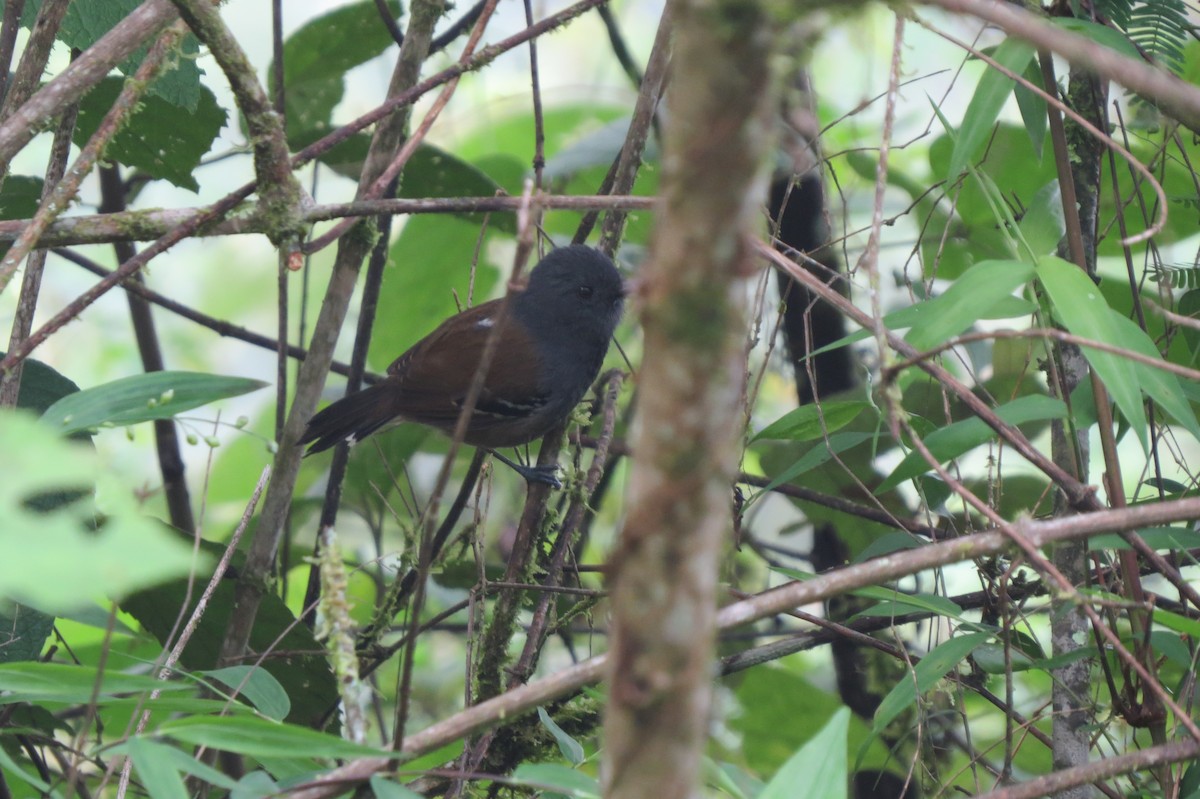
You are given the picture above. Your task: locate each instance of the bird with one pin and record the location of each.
(551, 345)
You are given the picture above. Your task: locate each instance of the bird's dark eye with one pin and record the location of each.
(585, 292)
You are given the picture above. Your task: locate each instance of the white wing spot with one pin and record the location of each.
(485, 323)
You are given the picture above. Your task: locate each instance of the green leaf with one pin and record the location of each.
(567, 781)
(978, 289)
(933, 667)
(86, 22)
(23, 631)
(158, 774)
(258, 686)
(568, 746)
(1100, 34)
(62, 555)
(1081, 307)
(894, 603)
(261, 738)
(316, 58)
(990, 94)
(142, 398)
(63, 682)
(810, 422)
(174, 757)
(819, 454)
(1042, 226)
(157, 138)
(959, 438)
(21, 197)
(1159, 538)
(819, 769)
(1033, 108)
(384, 788)
(1163, 387)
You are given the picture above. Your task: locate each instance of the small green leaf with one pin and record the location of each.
(894, 603)
(933, 667)
(819, 769)
(170, 755)
(819, 454)
(257, 685)
(63, 682)
(1033, 108)
(260, 738)
(810, 422)
(139, 398)
(977, 290)
(568, 746)
(158, 774)
(553, 776)
(1042, 226)
(1081, 307)
(959, 438)
(1159, 538)
(989, 97)
(384, 788)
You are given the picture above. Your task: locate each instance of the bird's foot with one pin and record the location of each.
(547, 475)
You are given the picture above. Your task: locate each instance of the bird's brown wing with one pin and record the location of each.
(434, 376)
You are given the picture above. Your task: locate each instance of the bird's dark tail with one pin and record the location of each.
(351, 419)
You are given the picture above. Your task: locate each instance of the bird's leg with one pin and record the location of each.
(532, 474)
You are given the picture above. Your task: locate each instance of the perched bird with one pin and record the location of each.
(550, 349)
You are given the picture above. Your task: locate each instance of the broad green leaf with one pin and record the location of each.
(13, 768)
(989, 97)
(959, 438)
(175, 757)
(1081, 307)
(1155, 537)
(1163, 387)
(142, 398)
(64, 682)
(21, 197)
(157, 773)
(256, 785)
(556, 777)
(894, 603)
(819, 769)
(158, 139)
(819, 454)
(931, 668)
(384, 788)
(316, 58)
(975, 292)
(568, 746)
(54, 556)
(1042, 226)
(1033, 108)
(84, 24)
(23, 630)
(257, 685)
(1100, 34)
(991, 658)
(921, 314)
(810, 422)
(260, 738)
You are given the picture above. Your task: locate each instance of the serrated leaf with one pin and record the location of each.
(1081, 307)
(157, 139)
(959, 438)
(143, 398)
(990, 95)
